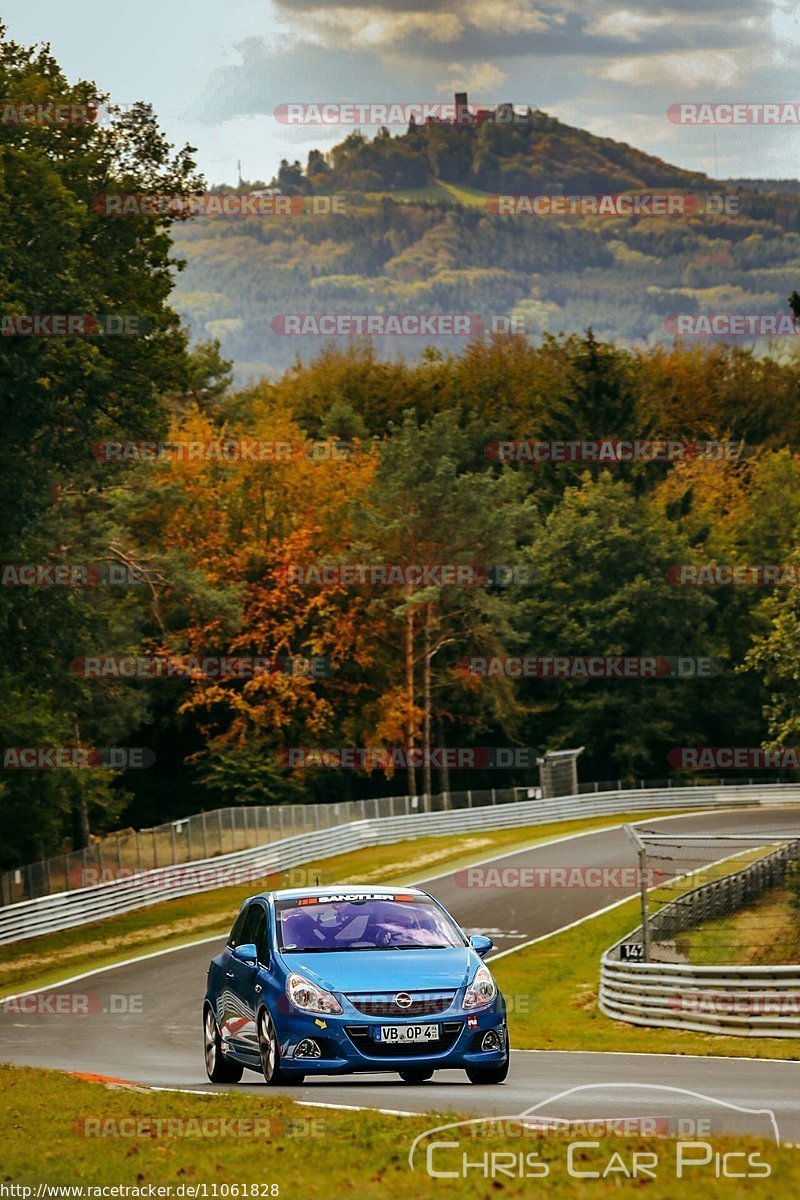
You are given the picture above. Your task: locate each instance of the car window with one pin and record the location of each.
(236, 938)
(255, 931)
(403, 921)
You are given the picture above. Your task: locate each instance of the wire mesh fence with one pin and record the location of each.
(224, 830)
(210, 834)
(717, 899)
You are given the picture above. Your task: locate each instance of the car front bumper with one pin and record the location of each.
(347, 1043)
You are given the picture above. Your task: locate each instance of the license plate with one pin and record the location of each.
(407, 1033)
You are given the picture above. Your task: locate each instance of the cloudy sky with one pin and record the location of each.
(215, 70)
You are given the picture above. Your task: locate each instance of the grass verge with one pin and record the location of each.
(41, 961)
(553, 986)
(315, 1152)
(765, 934)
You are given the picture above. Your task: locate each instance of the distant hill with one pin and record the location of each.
(419, 235)
(769, 186)
(533, 152)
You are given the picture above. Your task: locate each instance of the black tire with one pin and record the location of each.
(496, 1073)
(270, 1053)
(219, 1069)
(416, 1075)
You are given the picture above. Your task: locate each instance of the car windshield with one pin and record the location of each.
(399, 922)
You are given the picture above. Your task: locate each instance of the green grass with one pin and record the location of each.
(553, 988)
(436, 189)
(767, 933)
(672, 889)
(308, 1152)
(40, 961)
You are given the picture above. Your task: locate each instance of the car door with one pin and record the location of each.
(221, 978)
(243, 987)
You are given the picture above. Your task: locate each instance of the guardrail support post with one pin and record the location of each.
(642, 853)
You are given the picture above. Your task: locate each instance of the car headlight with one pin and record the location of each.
(482, 990)
(306, 995)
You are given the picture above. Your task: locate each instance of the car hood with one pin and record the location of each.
(386, 970)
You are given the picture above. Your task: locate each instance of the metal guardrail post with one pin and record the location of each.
(642, 855)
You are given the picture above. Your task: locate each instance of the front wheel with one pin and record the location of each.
(218, 1068)
(496, 1073)
(270, 1053)
(420, 1075)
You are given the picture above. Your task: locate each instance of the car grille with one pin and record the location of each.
(424, 1004)
(360, 1037)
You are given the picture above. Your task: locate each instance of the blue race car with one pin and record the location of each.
(329, 981)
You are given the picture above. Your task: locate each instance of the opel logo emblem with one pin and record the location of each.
(403, 1000)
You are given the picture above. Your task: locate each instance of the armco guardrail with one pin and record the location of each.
(68, 909)
(746, 1001)
(243, 827)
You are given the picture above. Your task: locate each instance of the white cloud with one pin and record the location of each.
(716, 68)
(506, 14)
(481, 78)
(627, 25)
(362, 27)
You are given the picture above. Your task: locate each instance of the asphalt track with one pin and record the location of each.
(142, 1019)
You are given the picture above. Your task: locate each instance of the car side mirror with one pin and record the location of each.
(481, 944)
(246, 953)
